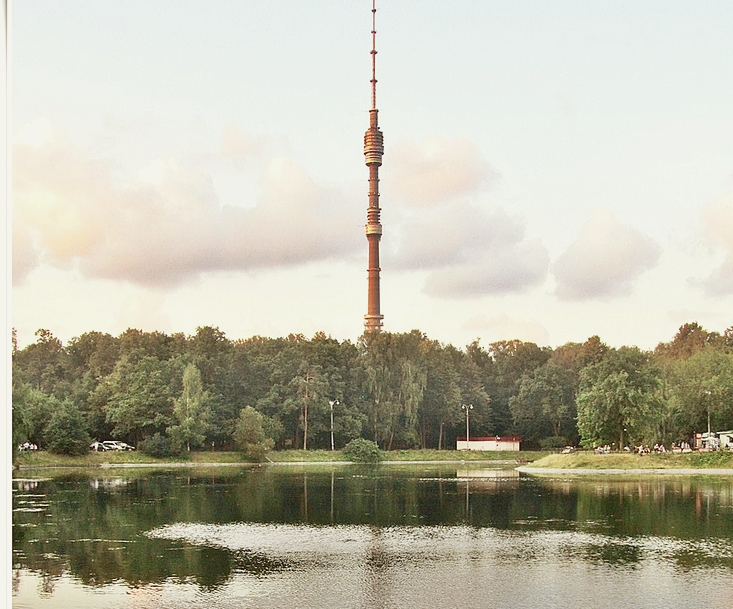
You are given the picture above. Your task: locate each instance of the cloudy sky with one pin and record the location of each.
(553, 170)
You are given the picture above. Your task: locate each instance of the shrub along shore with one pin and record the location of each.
(531, 460)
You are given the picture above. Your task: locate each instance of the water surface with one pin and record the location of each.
(388, 536)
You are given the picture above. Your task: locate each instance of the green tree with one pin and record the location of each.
(93, 353)
(66, 432)
(190, 411)
(250, 436)
(138, 396)
(154, 344)
(618, 399)
(21, 420)
(442, 395)
(476, 370)
(308, 387)
(510, 361)
(92, 357)
(44, 364)
(395, 377)
(690, 339)
(701, 392)
(32, 409)
(545, 403)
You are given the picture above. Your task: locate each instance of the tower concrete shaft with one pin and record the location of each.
(373, 151)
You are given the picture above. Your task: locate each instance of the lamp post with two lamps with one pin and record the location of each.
(468, 408)
(332, 402)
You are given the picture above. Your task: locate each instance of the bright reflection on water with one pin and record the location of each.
(390, 537)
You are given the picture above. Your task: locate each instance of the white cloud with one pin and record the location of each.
(604, 261)
(505, 327)
(25, 256)
(36, 134)
(718, 228)
(470, 251)
(513, 270)
(168, 226)
(238, 145)
(437, 170)
(144, 310)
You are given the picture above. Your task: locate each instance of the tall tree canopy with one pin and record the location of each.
(401, 390)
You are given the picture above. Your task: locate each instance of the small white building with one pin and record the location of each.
(716, 440)
(489, 443)
(726, 439)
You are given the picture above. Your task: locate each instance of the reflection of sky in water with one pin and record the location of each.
(544, 554)
(301, 543)
(527, 564)
(289, 566)
(370, 567)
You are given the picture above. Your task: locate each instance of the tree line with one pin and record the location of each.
(172, 393)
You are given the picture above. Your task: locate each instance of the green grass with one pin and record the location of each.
(213, 457)
(305, 456)
(463, 455)
(589, 460)
(41, 458)
(45, 459)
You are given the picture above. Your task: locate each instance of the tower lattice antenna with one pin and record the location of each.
(373, 151)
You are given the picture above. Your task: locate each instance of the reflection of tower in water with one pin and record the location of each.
(378, 570)
(373, 150)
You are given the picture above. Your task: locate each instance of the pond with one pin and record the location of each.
(390, 536)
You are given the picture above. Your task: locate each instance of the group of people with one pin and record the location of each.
(684, 447)
(27, 446)
(642, 449)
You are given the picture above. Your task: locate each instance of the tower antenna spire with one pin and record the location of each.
(374, 54)
(373, 151)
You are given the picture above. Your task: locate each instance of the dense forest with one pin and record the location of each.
(168, 394)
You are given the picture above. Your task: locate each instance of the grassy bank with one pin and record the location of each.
(578, 460)
(589, 460)
(44, 459)
(517, 457)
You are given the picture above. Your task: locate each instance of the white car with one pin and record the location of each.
(116, 445)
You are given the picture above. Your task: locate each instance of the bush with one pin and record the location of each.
(66, 432)
(360, 450)
(249, 435)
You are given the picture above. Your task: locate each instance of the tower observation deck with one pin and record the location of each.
(373, 151)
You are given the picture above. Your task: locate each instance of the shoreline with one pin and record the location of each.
(192, 464)
(686, 471)
(525, 469)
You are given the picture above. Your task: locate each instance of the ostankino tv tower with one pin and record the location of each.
(373, 151)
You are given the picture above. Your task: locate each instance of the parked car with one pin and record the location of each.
(117, 445)
(98, 447)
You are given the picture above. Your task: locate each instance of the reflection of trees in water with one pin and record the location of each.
(685, 508)
(95, 530)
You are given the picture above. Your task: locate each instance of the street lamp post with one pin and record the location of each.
(467, 408)
(707, 402)
(332, 402)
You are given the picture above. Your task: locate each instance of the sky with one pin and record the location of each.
(552, 170)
